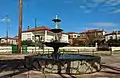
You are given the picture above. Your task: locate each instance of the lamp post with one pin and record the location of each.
(35, 34)
(20, 26)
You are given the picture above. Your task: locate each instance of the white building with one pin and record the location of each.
(64, 38)
(73, 34)
(41, 33)
(112, 35)
(8, 40)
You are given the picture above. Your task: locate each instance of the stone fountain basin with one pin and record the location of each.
(67, 63)
(69, 57)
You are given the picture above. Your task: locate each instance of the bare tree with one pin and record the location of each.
(93, 37)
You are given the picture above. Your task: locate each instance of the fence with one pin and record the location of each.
(5, 49)
(8, 49)
(32, 49)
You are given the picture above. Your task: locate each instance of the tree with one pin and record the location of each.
(77, 42)
(113, 42)
(93, 37)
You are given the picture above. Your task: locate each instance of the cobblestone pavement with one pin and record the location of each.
(110, 69)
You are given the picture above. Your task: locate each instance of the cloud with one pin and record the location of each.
(68, 2)
(107, 2)
(98, 1)
(100, 4)
(87, 11)
(82, 7)
(0, 20)
(113, 2)
(4, 19)
(103, 24)
(115, 11)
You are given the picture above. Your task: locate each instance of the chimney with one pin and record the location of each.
(28, 27)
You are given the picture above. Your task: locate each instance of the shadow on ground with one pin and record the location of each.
(111, 67)
(15, 67)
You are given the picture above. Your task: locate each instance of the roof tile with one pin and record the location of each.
(37, 29)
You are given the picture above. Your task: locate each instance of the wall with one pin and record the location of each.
(49, 38)
(114, 37)
(6, 49)
(10, 41)
(32, 49)
(27, 35)
(64, 38)
(115, 48)
(73, 35)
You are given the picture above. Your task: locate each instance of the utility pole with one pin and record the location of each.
(35, 35)
(20, 26)
(7, 26)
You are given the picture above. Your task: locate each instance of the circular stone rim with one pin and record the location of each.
(49, 57)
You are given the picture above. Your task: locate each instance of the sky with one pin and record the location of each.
(76, 15)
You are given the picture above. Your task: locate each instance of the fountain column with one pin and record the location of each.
(57, 26)
(56, 42)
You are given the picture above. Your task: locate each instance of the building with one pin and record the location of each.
(72, 36)
(95, 34)
(83, 37)
(41, 33)
(112, 35)
(64, 38)
(89, 36)
(8, 41)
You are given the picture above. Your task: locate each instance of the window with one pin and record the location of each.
(71, 36)
(28, 38)
(111, 37)
(28, 35)
(74, 35)
(33, 38)
(99, 33)
(41, 38)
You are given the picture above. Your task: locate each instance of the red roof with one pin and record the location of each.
(71, 32)
(95, 30)
(37, 29)
(113, 33)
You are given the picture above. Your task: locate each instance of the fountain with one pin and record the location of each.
(56, 43)
(62, 63)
